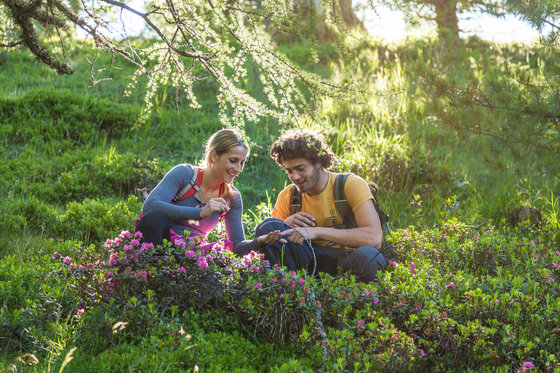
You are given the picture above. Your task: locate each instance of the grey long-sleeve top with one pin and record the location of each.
(185, 215)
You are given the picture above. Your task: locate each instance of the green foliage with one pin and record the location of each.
(469, 290)
(61, 115)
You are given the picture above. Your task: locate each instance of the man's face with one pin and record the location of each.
(303, 173)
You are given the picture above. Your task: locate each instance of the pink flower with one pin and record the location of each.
(189, 254)
(72, 267)
(138, 234)
(117, 241)
(181, 269)
(141, 274)
(526, 366)
(557, 252)
(56, 255)
(551, 280)
(375, 300)
(113, 259)
(400, 304)
(301, 281)
(109, 243)
(361, 323)
(147, 245)
(124, 234)
(201, 262)
(451, 285)
(258, 285)
(127, 247)
(421, 352)
(253, 268)
(392, 263)
(180, 242)
(555, 265)
(412, 266)
(135, 242)
(79, 312)
(67, 260)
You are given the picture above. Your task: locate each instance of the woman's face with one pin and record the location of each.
(229, 164)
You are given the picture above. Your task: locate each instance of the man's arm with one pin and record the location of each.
(368, 232)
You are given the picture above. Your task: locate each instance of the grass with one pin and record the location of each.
(74, 155)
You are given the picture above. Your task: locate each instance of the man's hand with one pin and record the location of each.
(298, 235)
(213, 205)
(270, 239)
(300, 219)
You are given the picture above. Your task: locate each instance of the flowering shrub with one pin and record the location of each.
(454, 297)
(188, 273)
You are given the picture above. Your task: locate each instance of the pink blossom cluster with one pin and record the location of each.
(527, 365)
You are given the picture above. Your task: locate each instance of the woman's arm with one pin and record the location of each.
(160, 198)
(234, 227)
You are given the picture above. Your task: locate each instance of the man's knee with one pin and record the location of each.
(269, 225)
(365, 262)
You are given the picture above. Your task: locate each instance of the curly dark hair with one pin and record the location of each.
(296, 143)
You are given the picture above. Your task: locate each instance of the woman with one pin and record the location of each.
(209, 197)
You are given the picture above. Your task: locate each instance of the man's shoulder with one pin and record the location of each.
(352, 181)
(287, 190)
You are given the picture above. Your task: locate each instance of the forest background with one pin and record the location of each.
(461, 134)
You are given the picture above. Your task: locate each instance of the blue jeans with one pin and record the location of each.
(363, 262)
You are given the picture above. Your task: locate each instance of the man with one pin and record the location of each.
(305, 158)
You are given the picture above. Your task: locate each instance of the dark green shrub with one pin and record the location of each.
(90, 220)
(45, 115)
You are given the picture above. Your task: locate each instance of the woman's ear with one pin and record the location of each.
(212, 157)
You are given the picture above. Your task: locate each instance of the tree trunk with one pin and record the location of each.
(348, 17)
(447, 22)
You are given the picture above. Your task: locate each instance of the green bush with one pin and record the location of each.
(45, 115)
(90, 220)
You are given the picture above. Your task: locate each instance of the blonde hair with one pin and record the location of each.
(222, 141)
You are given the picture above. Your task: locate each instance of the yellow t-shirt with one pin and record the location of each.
(321, 206)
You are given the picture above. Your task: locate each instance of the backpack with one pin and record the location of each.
(192, 187)
(342, 205)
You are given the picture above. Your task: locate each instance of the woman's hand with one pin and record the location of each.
(300, 219)
(214, 205)
(270, 239)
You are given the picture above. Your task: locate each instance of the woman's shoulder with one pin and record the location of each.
(182, 170)
(234, 192)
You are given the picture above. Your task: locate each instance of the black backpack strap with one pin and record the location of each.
(341, 203)
(383, 217)
(295, 200)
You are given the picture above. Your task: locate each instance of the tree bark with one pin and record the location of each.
(348, 16)
(447, 21)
